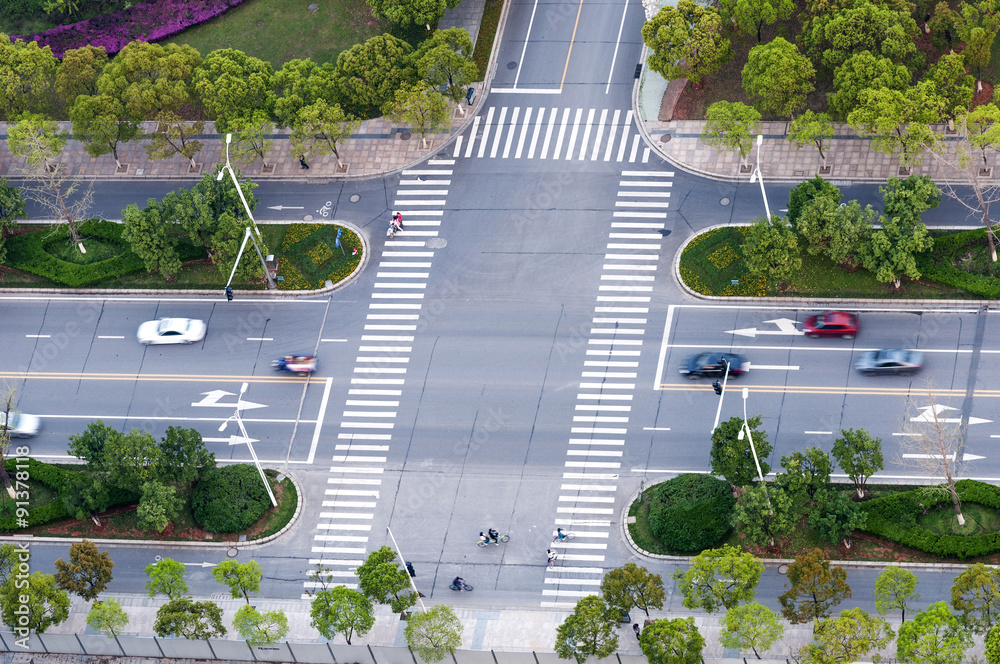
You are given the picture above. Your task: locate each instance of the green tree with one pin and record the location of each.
(78, 71)
(107, 616)
(225, 244)
(952, 83)
(166, 576)
(778, 77)
(187, 619)
(150, 237)
(445, 61)
(764, 514)
(859, 456)
(34, 603)
(898, 121)
(730, 127)
(835, 516)
(27, 76)
(173, 136)
(943, 26)
(241, 578)
(406, 13)
(750, 626)
(369, 74)
(341, 610)
(90, 445)
(231, 84)
(884, 30)
(319, 127)
(934, 636)
(864, 71)
(434, 634)
(88, 571)
(686, 41)
(251, 136)
(260, 629)
(36, 139)
(837, 231)
(420, 108)
(183, 456)
(132, 459)
(908, 199)
(809, 128)
(895, 589)
(631, 586)
(381, 579)
(11, 209)
(591, 630)
(676, 641)
(982, 129)
(976, 593)
(11, 557)
(814, 588)
(805, 192)
(806, 473)
(84, 496)
(892, 252)
(732, 457)
(771, 248)
(993, 646)
(717, 578)
(102, 123)
(848, 638)
(977, 24)
(158, 506)
(150, 78)
(750, 16)
(300, 83)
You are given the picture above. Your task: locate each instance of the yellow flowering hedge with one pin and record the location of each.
(309, 256)
(713, 260)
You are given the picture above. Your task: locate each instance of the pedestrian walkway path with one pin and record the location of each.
(529, 132)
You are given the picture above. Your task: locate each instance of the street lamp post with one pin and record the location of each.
(239, 190)
(759, 177)
(245, 438)
(722, 395)
(401, 559)
(746, 426)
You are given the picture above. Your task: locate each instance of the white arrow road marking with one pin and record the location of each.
(283, 207)
(927, 414)
(786, 326)
(965, 457)
(200, 564)
(773, 367)
(211, 400)
(239, 440)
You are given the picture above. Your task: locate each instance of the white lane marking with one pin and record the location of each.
(524, 48)
(424, 183)
(645, 155)
(319, 420)
(635, 147)
(260, 339)
(534, 134)
(645, 194)
(486, 132)
(527, 91)
(109, 337)
(38, 336)
(586, 134)
(472, 136)
(524, 132)
(437, 171)
(611, 135)
(624, 143)
(773, 367)
(510, 134)
(614, 57)
(599, 135)
(640, 215)
(818, 433)
(562, 133)
(458, 147)
(656, 428)
(573, 134)
(553, 114)
(498, 135)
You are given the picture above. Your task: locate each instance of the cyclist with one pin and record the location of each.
(560, 535)
(494, 536)
(459, 582)
(397, 220)
(552, 555)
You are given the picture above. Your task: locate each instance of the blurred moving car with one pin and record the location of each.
(890, 361)
(832, 324)
(22, 425)
(171, 331)
(712, 364)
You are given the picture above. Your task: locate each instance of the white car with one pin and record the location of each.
(22, 425)
(171, 331)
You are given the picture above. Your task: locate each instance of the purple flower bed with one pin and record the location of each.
(146, 21)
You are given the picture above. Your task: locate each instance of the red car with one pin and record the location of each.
(832, 324)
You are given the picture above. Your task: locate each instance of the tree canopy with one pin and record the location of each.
(686, 41)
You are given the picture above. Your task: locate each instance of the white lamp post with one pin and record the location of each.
(746, 427)
(757, 176)
(722, 396)
(245, 438)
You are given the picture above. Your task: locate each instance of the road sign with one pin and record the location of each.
(786, 327)
(211, 400)
(928, 413)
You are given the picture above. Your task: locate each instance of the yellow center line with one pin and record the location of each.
(186, 378)
(571, 40)
(847, 391)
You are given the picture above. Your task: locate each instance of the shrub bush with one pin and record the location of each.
(894, 517)
(691, 512)
(938, 264)
(229, 499)
(488, 26)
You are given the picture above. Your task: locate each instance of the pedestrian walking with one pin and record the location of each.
(635, 628)
(302, 162)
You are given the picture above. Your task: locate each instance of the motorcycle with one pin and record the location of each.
(303, 365)
(395, 225)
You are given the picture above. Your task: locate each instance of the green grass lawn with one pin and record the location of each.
(979, 519)
(713, 261)
(282, 30)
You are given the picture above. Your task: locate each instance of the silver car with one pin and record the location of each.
(22, 425)
(890, 361)
(171, 331)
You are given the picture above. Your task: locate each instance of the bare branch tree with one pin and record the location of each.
(932, 444)
(8, 392)
(61, 195)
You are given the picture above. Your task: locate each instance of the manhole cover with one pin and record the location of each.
(405, 136)
(724, 202)
(308, 217)
(436, 243)
(511, 65)
(782, 569)
(355, 198)
(232, 552)
(665, 138)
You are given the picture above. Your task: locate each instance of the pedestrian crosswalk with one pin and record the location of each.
(377, 383)
(553, 133)
(599, 428)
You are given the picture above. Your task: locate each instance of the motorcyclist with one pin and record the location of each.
(397, 220)
(483, 537)
(494, 536)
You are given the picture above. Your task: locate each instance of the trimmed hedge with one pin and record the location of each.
(299, 268)
(938, 263)
(894, 517)
(488, 26)
(229, 499)
(691, 512)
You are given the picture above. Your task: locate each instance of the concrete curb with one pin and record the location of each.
(249, 544)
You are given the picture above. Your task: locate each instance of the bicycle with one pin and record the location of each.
(485, 542)
(460, 587)
(561, 535)
(552, 558)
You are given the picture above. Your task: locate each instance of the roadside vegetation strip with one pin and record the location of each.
(487, 34)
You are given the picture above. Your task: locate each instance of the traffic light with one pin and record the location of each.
(229, 293)
(717, 388)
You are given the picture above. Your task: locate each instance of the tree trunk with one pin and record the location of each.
(114, 152)
(955, 502)
(336, 153)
